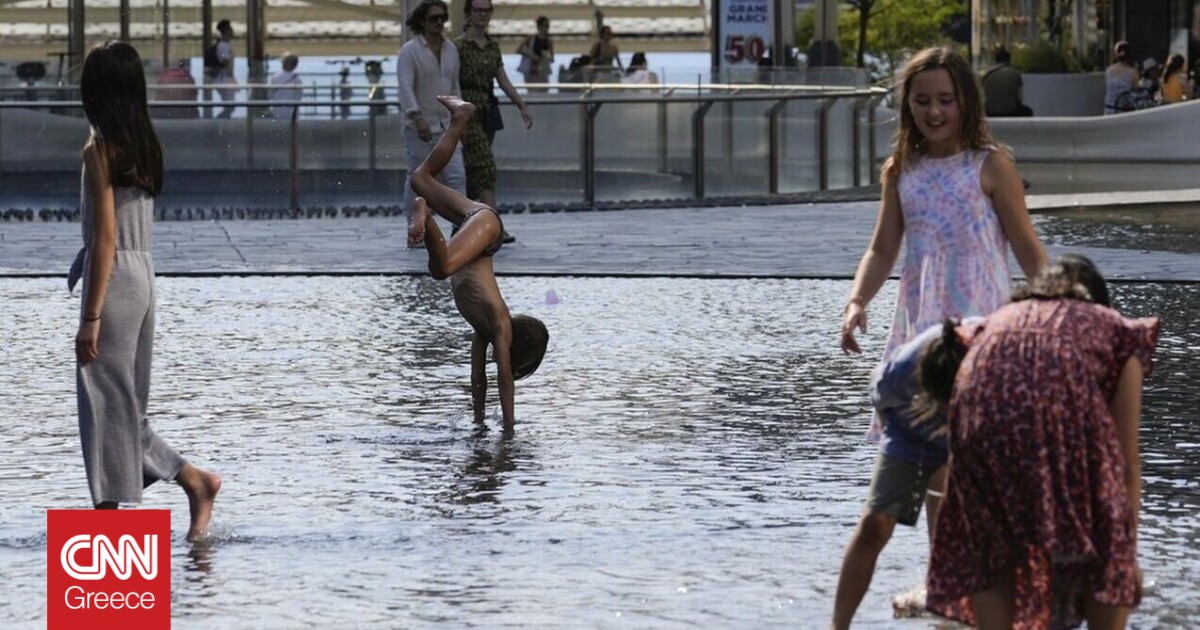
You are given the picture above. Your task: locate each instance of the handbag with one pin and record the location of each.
(493, 121)
(526, 65)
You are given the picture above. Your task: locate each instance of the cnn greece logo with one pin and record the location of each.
(123, 557)
(108, 569)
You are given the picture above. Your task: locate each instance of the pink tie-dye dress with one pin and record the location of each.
(956, 254)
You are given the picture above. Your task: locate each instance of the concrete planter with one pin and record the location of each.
(1074, 94)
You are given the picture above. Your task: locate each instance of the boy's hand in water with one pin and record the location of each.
(416, 226)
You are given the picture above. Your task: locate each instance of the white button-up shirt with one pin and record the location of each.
(422, 79)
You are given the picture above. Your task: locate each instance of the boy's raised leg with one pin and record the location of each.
(440, 198)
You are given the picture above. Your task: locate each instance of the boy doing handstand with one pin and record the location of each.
(518, 343)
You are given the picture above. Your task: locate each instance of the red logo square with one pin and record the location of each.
(108, 569)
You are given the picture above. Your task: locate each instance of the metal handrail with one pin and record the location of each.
(715, 98)
(561, 87)
(591, 103)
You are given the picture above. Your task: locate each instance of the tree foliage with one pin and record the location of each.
(894, 29)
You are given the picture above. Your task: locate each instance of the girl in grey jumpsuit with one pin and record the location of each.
(122, 174)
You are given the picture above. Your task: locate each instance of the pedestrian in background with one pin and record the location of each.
(537, 54)
(482, 64)
(605, 55)
(288, 86)
(219, 62)
(179, 75)
(428, 67)
(1004, 89)
(1120, 78)
(639, 72)
(1175, 88)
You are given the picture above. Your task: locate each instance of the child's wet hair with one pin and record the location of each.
(529, 340)
(1072, 276)
(974, 133)
(936, 371)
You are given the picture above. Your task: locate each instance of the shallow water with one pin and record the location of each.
(689, 454)
(1158, 228)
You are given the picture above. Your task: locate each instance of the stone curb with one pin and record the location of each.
(862, 193)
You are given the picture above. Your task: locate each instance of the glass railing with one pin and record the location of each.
(591, 144)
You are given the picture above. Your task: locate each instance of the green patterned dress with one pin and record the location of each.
(477, 68)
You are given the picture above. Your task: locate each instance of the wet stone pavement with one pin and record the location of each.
(780, 241)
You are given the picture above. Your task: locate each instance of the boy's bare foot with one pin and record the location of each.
(416, 226)
(202, 488)
(460, 110)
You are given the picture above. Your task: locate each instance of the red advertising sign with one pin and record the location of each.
(108, 569)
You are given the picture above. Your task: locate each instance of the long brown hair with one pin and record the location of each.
(1174, 64)
(973, 134)
(1073, 276)
(113, 87)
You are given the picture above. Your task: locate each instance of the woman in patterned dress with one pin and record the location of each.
(480, 63)
(1039, 528)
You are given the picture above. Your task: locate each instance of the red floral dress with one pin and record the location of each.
(1037, 476)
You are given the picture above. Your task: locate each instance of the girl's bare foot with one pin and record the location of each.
(201, 487)
(460, 110)
(416, 227)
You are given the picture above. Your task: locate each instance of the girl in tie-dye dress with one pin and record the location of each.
(954, 197)
(958, 202)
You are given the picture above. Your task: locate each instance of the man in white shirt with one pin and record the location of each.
(289, 86)
(428, 67)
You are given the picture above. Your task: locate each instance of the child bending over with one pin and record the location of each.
(908, 473)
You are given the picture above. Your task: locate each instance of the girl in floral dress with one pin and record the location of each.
(1039, 528)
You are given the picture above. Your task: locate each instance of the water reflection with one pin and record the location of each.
(690, 453)
(1158, 228)
(485, 472)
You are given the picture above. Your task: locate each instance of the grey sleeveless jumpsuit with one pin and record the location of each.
(121, 453)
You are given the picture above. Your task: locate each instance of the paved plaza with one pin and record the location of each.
(779, 241)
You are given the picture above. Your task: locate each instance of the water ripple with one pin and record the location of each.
(690, 454)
